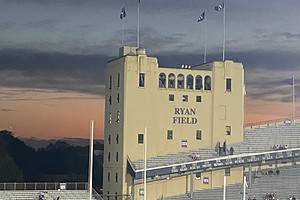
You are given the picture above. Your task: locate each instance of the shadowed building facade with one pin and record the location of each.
(183, 109)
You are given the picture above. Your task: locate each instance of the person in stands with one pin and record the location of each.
(293, 198)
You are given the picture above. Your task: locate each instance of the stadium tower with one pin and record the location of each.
(184, 109)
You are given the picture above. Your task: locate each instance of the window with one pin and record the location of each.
(184, 143)
(190, 82)
(171, 97)
(198, 175)
(117, 138)
(162, 80)
(117, 156)
(199, 83)
(228, 85)
(118, 117)
(140, 138)
(141, 191)
(109, 100)
(109, 139)
(227, 171)
(207, 83)
(110, 82)
(185, 98)
(118, 98)
(198, 135)
(108, 157)
(205, 180)
(108, 177)
(228, 130)
(171, 83)
(142, 80)
(180, 81)
(118, 80)
(116, 177)
(170, 134)
(109, 118)
(198, 99)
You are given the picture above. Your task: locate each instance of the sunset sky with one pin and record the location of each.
(53, 55)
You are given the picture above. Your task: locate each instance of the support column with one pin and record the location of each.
(224, 189)
(250, 176)
(191, 185)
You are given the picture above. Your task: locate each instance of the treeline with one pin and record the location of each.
(58, 162)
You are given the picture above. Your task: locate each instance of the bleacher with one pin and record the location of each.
(257, 139)
(284, 184)
(49, 195)
(175, 158)
(264, 138)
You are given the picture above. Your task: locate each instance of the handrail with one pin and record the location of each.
(225, 161)
(219, 158)
(267, 122)
(42, 186)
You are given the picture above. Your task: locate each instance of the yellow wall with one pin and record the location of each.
(150, 107)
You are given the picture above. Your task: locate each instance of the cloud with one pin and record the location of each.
(85, 73)
(7, 110)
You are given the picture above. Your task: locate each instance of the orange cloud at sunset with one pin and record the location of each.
(263, 110)
(58, 114)
(49, 114)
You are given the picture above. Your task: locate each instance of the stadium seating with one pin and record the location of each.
(263, 139)
(284, 184)
(175, 158)
(258, 139)
(49, 195)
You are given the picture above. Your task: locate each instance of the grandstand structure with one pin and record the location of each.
(50, 191)
(178, 133)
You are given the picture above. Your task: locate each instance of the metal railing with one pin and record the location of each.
(44, 186)
(266, 123)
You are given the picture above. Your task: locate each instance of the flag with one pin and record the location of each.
(123, 13)
(201, 17)
(219, 7)
(288, 81)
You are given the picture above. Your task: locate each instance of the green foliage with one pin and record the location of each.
(9, 171)
(60, 160)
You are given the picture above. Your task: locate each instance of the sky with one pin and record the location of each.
(53, 55)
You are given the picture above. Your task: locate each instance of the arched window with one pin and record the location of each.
(180, 81)
(199, 83)
(171, 79)
(207, 83)
(190, 82)
(162, 80)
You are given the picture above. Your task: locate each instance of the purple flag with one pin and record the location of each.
(288, 81)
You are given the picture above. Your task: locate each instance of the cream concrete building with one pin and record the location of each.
(183, 109)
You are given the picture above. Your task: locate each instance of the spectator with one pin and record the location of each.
(254, 198)
(231, 150)
(277, 172)
(293, 198)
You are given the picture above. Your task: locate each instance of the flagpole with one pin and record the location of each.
(244, 188)
(138, 25)
(91, 159)
(224, 188)
(224, 30)
(294, 113)
(205, 45)
(122, 32)
(145, 164)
